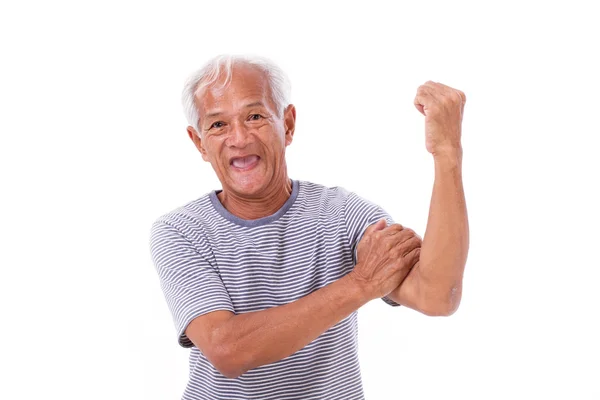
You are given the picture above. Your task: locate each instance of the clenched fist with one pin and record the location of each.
(443, 109)
(384, 257)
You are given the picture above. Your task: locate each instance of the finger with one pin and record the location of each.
(438, 87)
(423, 98)
(421, 102)
(413, 256)
(393, 229)
(425, 90)
(438, 90)
(377, 226)
(419, 106)
(409, 244)
(463, 96)
(450, 91)
(404, 235)
(447, 90)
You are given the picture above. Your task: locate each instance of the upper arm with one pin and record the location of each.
(408, 293)
(191, 286)
(358, 215)
(413, 293)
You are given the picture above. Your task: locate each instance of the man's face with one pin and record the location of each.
(241, 134)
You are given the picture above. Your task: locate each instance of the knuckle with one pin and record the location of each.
(447, 98)
(457, 97)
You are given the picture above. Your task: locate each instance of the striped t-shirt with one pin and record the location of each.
(207, 259)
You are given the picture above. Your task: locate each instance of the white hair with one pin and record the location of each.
(220, 65)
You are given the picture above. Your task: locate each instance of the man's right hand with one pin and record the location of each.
(385, 256)
(236, 343)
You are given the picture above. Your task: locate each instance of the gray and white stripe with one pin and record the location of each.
(208, 259)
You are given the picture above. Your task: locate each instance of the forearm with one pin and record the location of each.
(263, 337)
(446, 240)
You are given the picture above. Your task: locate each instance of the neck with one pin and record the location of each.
(259, 207)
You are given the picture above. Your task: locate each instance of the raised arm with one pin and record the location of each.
(434, 285)
(235, 344)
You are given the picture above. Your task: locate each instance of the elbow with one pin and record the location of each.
(227, 360)
(443, 306)
(222, 347)
(440, 310)
(230, 373)
(227, 370)
(227, 366)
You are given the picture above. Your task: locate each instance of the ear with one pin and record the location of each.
(195, 136)
(289, 118)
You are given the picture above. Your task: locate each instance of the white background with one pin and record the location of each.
(94, 148)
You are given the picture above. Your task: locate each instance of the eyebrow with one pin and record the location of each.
(255, 104)
(213, 114)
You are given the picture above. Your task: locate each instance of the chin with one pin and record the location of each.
(249, 187)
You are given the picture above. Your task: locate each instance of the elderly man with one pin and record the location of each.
(265, 276)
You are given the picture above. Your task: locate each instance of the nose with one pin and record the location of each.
(239, 135)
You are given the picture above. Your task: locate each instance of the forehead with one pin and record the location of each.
(247, 84)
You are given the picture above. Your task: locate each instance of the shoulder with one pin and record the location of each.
(324, 194)
(188, 219)
(337, 198)
(338, 195)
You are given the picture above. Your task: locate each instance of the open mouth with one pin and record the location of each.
(245, 163)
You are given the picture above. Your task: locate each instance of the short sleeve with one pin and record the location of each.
(191, 286)
(359, 213)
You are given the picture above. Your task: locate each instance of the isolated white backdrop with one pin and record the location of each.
(93, 149)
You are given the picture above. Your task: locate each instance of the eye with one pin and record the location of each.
(255, 117)
(217, 125)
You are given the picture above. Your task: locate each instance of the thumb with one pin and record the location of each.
(377, 226)
(419, 104)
